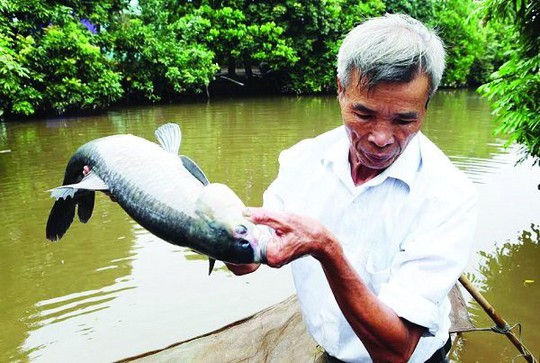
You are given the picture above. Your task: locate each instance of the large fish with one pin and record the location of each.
(167, 195)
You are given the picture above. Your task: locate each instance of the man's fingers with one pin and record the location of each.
(278, 221)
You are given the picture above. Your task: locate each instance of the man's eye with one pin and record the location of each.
(404, 121)
(362, 116)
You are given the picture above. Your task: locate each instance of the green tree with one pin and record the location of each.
(514, 88)
(220, 35)
(71, 73)
(155, 64)
(51, 59)
(492, 53)
(460, 29)
(225, 28)
(315, 29)
(15, 96)
(238, 41)
(423, 10)
(59, 56)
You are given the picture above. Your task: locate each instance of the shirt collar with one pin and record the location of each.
(404, 168)
(407, 164)
(337, 158)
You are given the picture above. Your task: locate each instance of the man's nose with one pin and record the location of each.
(381, 136)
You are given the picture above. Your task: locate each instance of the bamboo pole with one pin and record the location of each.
(502, 325)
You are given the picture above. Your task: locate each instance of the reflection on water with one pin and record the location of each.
(109, 289)
(509, 278)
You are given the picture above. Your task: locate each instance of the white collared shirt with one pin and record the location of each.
(408, 232)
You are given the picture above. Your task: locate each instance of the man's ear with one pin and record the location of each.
(339, 87)
(427, 102)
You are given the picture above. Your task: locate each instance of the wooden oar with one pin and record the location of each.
(502, 325)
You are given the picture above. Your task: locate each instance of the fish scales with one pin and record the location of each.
(121, 152)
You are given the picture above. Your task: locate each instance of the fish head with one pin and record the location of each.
(248, 241)
(238, 239)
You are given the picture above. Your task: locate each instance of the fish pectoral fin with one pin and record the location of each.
(63, 192)
(169, 137)
(211, 262)
(194, 169)
(90, 182)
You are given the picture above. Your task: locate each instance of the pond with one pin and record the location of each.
(109, 289)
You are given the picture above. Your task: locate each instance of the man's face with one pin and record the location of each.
(381, 122)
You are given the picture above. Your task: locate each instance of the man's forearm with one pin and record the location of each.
(386, 336)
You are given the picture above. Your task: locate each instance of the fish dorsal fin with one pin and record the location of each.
(90, 182)
(169, 137)
(194, 169)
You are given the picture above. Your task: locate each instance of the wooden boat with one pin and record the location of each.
(276, 334)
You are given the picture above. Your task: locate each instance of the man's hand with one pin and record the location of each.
(295, 236)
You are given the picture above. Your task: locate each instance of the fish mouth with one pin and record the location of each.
(254, 238)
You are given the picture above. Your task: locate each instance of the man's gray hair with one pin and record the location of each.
(391, 48)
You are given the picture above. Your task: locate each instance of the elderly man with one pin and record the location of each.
(375, 220)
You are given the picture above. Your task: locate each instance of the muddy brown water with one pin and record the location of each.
(109, 289)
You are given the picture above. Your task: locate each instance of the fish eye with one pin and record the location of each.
(241, 230)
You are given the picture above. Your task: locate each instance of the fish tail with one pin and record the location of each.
(85, 205)
(60, 218)
(63, 213)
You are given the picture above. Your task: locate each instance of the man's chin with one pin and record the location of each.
(377, 161)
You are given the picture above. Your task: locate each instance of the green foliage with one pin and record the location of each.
(14, 95)
(460, 30)
(314, 29)
(493, 52)
(50, 61)
(171, 49)
(34, 15)
(72, 72)
(236, 39)
(156, 64)
(474, 49)
(308, 26)
(515, 88)
(514, 91)
(423, 10)
(523, 15)
(59, 56)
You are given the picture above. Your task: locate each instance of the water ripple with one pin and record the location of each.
(62, 308)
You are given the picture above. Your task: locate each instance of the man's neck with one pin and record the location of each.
(361, 174)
